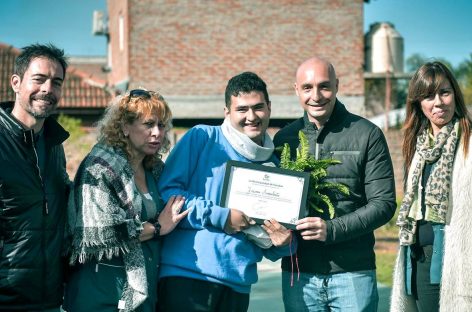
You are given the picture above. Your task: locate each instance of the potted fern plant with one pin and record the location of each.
(317, 199)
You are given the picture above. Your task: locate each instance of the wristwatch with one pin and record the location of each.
(157, 229)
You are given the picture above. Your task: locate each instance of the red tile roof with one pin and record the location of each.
(93, 65)
(81, 89)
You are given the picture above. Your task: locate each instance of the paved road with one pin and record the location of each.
(266, 295)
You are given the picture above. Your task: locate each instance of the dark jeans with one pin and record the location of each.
(179, 294)
(426, 294)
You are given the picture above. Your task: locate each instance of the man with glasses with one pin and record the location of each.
(208, 263)
(33, 184)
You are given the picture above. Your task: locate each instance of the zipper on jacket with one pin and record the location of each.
(29, 139)
(317, 151)
(317, 146)
(44, 264)
(43, 223)
(45, 201)
(45, 205)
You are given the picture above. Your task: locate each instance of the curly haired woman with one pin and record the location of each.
(115, 213)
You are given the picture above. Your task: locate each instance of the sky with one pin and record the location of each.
(433, 28)
(65, 23)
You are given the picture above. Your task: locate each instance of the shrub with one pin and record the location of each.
(73, 126)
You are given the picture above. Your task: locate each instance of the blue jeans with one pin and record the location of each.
(349, 291)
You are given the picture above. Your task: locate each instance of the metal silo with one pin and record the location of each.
(383, 49)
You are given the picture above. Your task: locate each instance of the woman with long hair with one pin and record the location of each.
(115, 213)
(433, 271)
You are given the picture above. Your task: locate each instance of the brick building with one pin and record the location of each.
(189, 49)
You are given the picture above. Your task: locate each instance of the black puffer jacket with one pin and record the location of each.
(32, 216)
(366, 169)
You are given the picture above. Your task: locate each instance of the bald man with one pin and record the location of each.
(336, 256)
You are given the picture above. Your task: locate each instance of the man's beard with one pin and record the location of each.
(41, 114)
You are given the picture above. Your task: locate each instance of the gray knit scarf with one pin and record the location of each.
(436, 198)
(104, 217)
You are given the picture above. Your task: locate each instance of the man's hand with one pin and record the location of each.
(312, 228)
(237, 221)
(279, 235)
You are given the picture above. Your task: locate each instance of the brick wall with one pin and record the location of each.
(118, 48)
(192, 48)
(92, 65)
(8, 55)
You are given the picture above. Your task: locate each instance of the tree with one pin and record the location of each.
(463, 72)
(464, 76)
(416, 60)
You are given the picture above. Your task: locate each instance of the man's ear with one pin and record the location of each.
(15, 82)
(227, 111)
(269, 106)
(337, 84)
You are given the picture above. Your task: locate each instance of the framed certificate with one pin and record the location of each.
(263, 192)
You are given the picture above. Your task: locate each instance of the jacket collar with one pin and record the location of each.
(338, 114)
(54, 133)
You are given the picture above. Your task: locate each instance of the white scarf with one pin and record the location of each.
(254, 152)
(245, 146)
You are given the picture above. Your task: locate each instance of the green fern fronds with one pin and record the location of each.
(337, 186)
(318, 171)
(285, 157)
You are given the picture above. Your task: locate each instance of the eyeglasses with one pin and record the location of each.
(140, 93)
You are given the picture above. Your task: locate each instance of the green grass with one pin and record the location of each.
(385, 263)
(387, 236)
(76, 132)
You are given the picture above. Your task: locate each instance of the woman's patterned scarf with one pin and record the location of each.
(436, 198)
(104, 217)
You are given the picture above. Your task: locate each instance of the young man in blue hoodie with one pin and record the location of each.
(208, 263)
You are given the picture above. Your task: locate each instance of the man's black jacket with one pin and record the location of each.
(366, 169)
(32, 216)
